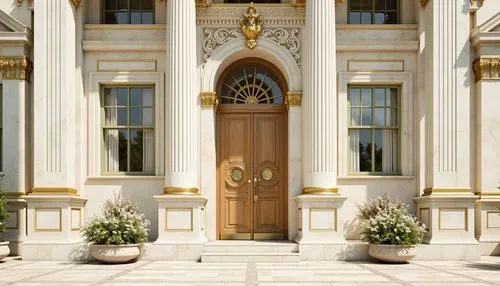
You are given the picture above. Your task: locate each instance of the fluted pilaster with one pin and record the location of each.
(319, 100)
(181, 174)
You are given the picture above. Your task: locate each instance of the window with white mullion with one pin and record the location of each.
(128, 130)
(373, 130)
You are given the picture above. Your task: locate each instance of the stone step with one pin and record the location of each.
(250, 257)
(247, 246)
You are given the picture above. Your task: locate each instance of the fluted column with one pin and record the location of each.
(182, 152)
(319, 101)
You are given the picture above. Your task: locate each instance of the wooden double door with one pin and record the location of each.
(252, 155)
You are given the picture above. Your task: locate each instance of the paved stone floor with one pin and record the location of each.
(483, 272)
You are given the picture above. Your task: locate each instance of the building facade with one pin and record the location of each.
(230, 121)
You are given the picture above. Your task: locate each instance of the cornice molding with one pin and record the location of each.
(302, 3)
(486, 68)
(16, 68)
(199, 3)
(229, 16)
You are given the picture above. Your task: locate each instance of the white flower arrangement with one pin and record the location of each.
(120, 224)
(386, 220)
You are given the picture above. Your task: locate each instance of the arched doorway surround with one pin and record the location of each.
(252, 152)
(220, 59)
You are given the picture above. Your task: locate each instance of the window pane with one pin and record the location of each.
(365, 150)
(147, 18)
(135, 4)
(123, 150)
(380, 4)
(391, 18)
(355, 97)
(378, 150)
(379, 117)
(122, 97)
(366, 117)
(366, 18)
(391, 4)
(355, 18)
(123, 4)
(110, 5)
(135, 17)
(355, 4)
(147, 116)
(109, 18)
(367, 4)
(110, 97)
(366, 97)
(135, 116)
(122, 116)
(390, 151)
(394, 117)
(136, 150)
(394, 97)
(379, 96)
(355, 116)
(135, 97)
(147, 97)
(379, 18)
(112, 152)
(121, 18)
(110, 115)
(147, 4)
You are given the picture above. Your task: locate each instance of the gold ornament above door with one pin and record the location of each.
(252, 26)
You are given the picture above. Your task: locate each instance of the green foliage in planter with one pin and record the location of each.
(386, 220)
(120, 224)
(4, 215)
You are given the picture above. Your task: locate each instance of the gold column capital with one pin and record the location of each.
(486, 68)
(293, 98)
(302, 3)
(181, 191)
(15, 68)
(75, 3)
(209, 99)
(424, 3)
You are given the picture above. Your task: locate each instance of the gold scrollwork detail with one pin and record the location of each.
(252, 26)
(16, 68)
(293, 99)
(486, 68)
(209, 99)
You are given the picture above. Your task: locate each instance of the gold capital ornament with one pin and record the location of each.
(16, 68)
(252, 26)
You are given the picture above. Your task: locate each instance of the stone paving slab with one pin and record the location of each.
(419, 273)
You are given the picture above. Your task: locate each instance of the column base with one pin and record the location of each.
(320, 219)
(449, 218)
(54, 225)
(181, 219)
(16, 224)
(488, 223)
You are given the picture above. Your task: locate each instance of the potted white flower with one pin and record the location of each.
(392, 232)
(4, 215)
(117, 236)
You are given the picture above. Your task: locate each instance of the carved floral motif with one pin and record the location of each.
(286, 37)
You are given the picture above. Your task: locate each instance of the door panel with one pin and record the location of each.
(235, 199)
(252, 176)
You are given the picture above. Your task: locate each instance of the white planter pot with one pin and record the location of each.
(115, 253)
(4, 249)
(392, 253)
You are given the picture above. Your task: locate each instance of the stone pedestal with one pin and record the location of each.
(449, 219)
(488, 223)
(54, 225)
(16, 224)
(320, 219)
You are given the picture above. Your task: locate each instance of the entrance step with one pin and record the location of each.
(250, 246)
(238, 251)
(250, 257)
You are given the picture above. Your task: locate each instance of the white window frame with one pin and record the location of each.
(99, 79)
(407, 95)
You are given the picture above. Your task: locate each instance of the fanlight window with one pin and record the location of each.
(251, 83)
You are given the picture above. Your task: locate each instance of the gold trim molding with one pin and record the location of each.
(198, 3)
(321, 191)
(486, 68)
(54, 191)
(302, 3)
(209, 99)
(293, 99)
(16, 68)
(181, 191)
(447, 192)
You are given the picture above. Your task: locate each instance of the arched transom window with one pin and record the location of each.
(251, 81)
